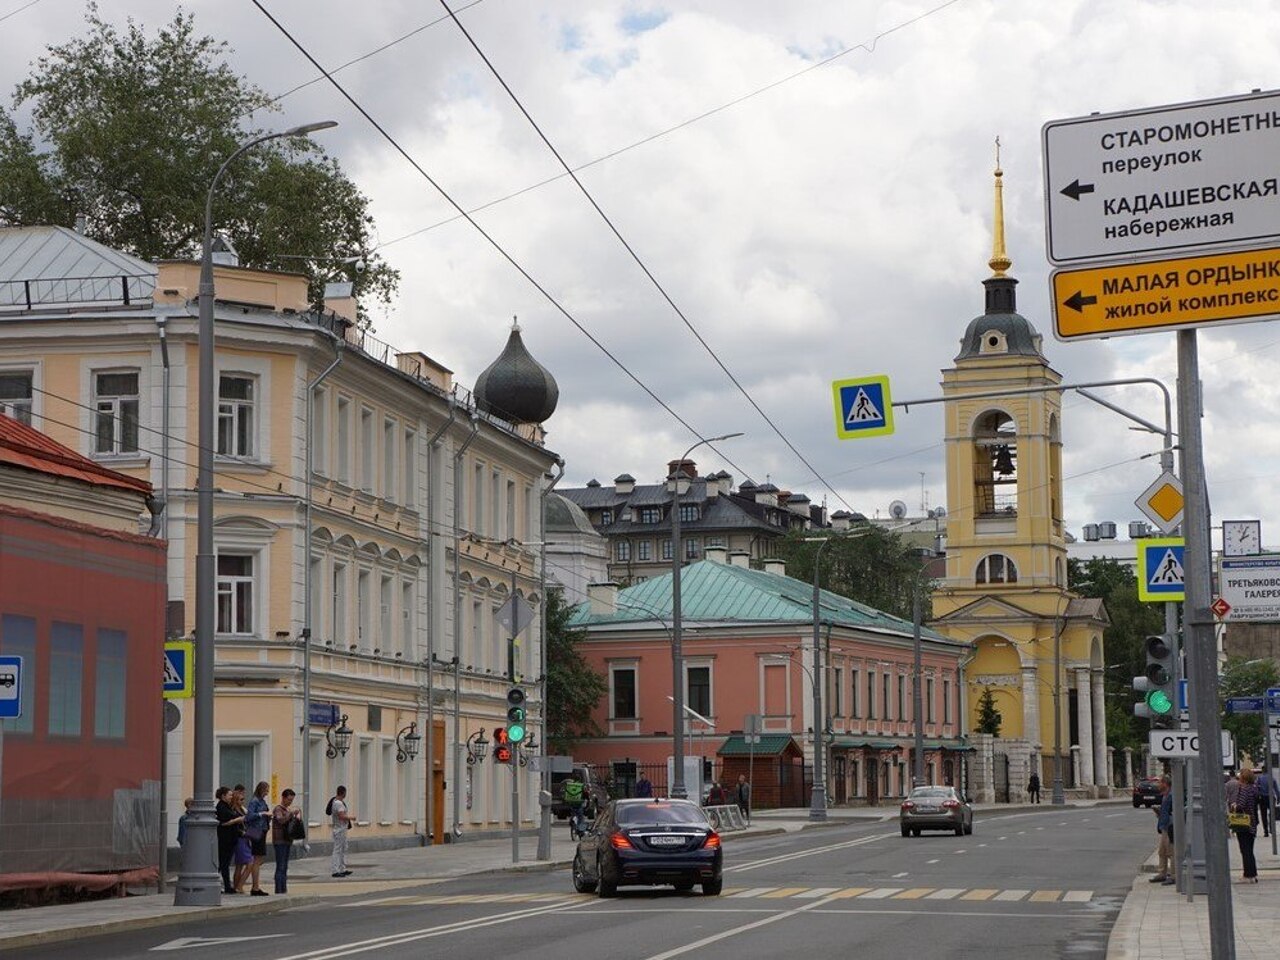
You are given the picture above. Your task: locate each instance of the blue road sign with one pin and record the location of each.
(323, 714)
(10, 688)
(1273, 700)
(1245, 704)
(1161, 575)
(1182, 694)
(863, 407)
(179, 670)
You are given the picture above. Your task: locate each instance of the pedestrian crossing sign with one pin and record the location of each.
(179, 669)
(863, 407)
(1161, 575)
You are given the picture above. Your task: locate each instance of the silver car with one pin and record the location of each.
(936, 808)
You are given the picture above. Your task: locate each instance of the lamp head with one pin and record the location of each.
(307, 128)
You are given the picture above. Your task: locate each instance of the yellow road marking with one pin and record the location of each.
(1045, 896)
(979, 895)
(783, 892)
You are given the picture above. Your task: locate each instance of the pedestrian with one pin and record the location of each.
(744, 795)
(230, 823)
(1033, 788)
(572, 792)
(187, 804)
(643, 787)
(1231, 788)
(1164, 827)
(286, 824)
(340, 818)
(1247, 802)
(257, 823)
(1266, 790)
(716, 795)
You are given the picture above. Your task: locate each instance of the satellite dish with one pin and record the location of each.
(897, 509)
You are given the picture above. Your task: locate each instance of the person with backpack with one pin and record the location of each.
(286, 827)
(341, 819)
(574, 797)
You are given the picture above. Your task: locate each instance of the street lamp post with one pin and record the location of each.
(677, 650)
(818, 795)
(198, 881)
(917, 698)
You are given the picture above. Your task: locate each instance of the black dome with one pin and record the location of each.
(1014, 333)
(517, 387)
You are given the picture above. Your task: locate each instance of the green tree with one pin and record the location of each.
(129, 129)
(869, 564)
(989, 718)
(573, 688)
(1242, 677)
(1132, 620)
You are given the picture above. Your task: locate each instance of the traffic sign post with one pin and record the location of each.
(1175, 177)
(863, 407)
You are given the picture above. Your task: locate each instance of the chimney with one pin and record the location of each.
(739, 558)
(724, 481)
(798, 504)
(774, 565)
(603, 598)
(341, 299)
(223, 253)
(716, 554)
(840, 520)
(624, 484)
(82, 224)
(684, 470)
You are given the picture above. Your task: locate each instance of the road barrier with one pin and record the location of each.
(726, 816)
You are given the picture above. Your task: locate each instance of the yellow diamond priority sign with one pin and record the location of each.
(1162, 502)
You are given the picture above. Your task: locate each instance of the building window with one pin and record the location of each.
(109, 685)
(366, 449)
(886, 702)
(235, 593)
(344, 440)
(606, 517)
(511, 509)
(410, 478)
(18, 639)
(644, 550)
(390, 429)
(666, 549)
(871, 694)
(688, 512)
(238, 763)
(16, 388)
(338, 625)
(623, 696)
(691, 547)
(406, 618)
(115, 406)
(66, 677)
(853, 693)
(902, 697)
(837, 692)
(946, 700)
(236, 435)
(995, 459)
(477, 503)
(698, 685)
(364, 609)
(928, 700)
(320, 432)
(386, 639)
(495, 508)
(996, 568)
(622, 551)
(477, 635)
(650, 514)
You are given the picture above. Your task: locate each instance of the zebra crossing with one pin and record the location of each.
(958, 894)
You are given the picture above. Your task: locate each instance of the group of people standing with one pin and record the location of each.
(243, 830)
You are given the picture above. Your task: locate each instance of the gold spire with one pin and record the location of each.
(999, 261)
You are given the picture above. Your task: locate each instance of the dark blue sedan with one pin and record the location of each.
(649, 842)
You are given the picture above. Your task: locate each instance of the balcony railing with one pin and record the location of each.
(125, 289)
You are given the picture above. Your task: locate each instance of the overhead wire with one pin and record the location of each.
(25, 6)
(502, 251)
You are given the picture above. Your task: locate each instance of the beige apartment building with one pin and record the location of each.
(424, 500)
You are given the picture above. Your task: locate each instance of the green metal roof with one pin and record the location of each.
(770, 745)
(858, 743)
(721, 592)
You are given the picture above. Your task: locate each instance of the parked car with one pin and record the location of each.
(592, 789)
(649, 842)
(1146, 792)
(935, 808)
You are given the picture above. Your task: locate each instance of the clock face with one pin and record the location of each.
(1241, 538)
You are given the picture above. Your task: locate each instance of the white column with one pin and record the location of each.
(1101, 768)
(1084, 722)
(1030, 706)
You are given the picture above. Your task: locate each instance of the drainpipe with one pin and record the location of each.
(159, 524)
(306, 583)
(544, 824)
(459, 742)
(433, 446)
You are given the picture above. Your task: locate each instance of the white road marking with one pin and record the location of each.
(899, 876)
(945, 894)
(1110, 815)
(960, 851)
(1077, 896)
(881, 893)
(1039, 828)
(982, 845)
(1011, 896)
(816, 893)
(753, 892)
(1002, 838)
(716, 937)
(932, 861)
(783, 858)
(186, 943)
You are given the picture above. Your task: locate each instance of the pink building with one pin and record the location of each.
(747, 638)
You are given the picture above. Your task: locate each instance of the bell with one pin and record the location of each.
(1004, 461)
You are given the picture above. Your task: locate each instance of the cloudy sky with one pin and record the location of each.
(837, 223)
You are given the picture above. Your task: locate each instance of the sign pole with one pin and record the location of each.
(1208, 833)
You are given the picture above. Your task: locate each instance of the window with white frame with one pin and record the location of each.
(698, 689)
(477, 657)
(650, 515)
(16, 390)
(666, 549)
(606, 517)
(691, 547)
(886, 702)
(344, 440)
(871, 694)
(115, 411)
(409, 467)
(495, 511)
(644, 549)
(386, 789)
(235, 593)
(622, 695)
(320, 432)
(386, 637)
(946, 700)
(390, 430)
(837, 692)
(928, 699)
(364, 608)
(853, 692)
(622, 551)
(367, 441)
(511, 508)
(237, 422)
(689, 512)
(317, 595)
(406, 618)
(338, 613)
(996, 568)
(477, 501)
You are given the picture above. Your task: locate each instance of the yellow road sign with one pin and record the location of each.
(1162, 502)
(1121, 299)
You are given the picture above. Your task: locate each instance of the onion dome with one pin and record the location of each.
(517, 387)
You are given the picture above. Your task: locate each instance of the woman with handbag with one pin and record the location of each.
(286, 827)
(257, 823)
(1243, 819)
(229, 825)
(243, 852)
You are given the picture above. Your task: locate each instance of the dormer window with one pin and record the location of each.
(993, 341)
(606, 517)
(650, 515)
(689, 512)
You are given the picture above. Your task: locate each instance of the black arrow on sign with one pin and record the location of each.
(1075, 188)
(1077, 302)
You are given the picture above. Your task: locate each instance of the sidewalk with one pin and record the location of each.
(1156, 923)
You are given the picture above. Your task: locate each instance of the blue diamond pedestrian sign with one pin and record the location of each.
(863, 407)
(1161, 577)
(10, 688)
(179, 669)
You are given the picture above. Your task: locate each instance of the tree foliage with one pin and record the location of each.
(1132, 621)
(129, 129)
(573, 688)
(1242, 677)
(989, 718)
(869, 564)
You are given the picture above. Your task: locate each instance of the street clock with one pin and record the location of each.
(1241, 538)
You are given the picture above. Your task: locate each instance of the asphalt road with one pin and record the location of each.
(1043, 884)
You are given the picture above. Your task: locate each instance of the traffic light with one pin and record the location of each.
(1157, 683)
(501, 746)
(516, 729)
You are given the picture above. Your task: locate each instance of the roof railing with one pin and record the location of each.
(124, 289)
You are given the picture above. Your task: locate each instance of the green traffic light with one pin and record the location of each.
(515, 733)
(1159, 702)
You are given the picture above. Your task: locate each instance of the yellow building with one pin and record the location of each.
(99, 350)
(1006, 587)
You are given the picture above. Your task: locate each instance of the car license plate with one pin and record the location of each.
(666, 841)
(926, 809)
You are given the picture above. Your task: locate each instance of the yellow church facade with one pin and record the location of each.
(1037, 647)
